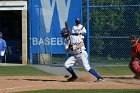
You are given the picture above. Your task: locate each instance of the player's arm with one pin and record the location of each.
(2, 52)
(132, 58)
(133, 55)
(83, 30)
(138, 48)
(75, 47)
(67, 45)
(81, 42)
(4, 45)
(73, 31)
(138, 51)
(80, 45)
(69, 48)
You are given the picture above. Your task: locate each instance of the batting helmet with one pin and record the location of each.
(77, 21)
(64, 33)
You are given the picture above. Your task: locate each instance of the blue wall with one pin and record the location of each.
(46, 19)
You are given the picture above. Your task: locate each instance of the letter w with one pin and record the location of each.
(63, 11)
(47, 11)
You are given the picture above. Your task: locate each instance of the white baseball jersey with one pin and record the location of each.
(80, 53)
(79, 29)
(75, 40)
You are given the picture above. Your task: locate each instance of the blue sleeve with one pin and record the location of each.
(4, 45)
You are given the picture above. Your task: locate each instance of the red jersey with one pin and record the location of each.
(135, 51)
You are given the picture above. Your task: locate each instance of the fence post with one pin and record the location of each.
(88, 37)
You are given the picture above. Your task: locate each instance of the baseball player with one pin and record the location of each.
(78, 29)
(75, 43)
(135, 56)
(2, 47)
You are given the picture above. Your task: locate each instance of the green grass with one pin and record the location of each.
(106, 60)
(114, 70)
(21, 71)
(85, 91)
(111, 70)
(30, 71)
(109, 60)
(103, 70)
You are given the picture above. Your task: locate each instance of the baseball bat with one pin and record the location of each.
(67, 28)
(86, 23)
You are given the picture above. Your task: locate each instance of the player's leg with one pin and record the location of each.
(68, 65)
(84, 60)
(135, 68)
(1, 59)
(132, 68)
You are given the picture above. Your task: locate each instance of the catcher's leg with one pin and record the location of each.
(131, 68)
(135, 68)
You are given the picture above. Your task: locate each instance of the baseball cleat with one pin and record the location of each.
(100, 80)
(73, 78)
(136, 77)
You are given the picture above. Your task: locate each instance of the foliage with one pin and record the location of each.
(115, 19)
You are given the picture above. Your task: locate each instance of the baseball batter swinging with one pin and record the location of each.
(77, 46)
(135, 56)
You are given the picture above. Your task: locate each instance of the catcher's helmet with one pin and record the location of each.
(77, 21)
(64, 33)
(134, 39)
(134, 36)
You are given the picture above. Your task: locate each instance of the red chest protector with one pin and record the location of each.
(135, 51)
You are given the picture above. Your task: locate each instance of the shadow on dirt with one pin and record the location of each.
(44, 80)
(118, 77)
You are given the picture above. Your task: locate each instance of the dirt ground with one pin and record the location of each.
(85, 81)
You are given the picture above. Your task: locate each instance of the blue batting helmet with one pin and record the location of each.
(64, 33)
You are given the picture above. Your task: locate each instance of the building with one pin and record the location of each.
(13, 25)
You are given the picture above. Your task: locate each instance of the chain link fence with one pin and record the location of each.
(110, 25)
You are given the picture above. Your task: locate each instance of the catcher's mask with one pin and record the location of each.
(77, 21)
(134, 39)
(64, 33)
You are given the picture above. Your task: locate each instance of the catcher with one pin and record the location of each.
(135, 56)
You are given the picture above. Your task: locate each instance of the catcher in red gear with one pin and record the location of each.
(135, 56)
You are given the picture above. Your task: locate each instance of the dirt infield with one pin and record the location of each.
(85, 81)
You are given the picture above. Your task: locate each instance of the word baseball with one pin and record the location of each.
(47, 41)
